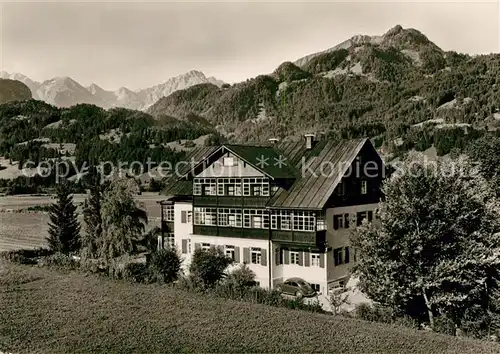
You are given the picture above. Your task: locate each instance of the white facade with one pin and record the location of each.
(322, 274)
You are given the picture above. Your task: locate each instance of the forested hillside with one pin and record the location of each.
(36, 131)
(381, 86)
(13, 90)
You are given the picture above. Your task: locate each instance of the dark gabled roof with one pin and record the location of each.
(321, 169)
(177, 186)
(316, 172)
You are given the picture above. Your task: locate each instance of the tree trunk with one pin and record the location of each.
(429, 309)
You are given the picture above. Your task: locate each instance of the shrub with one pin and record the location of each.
(165, 265)
(92, 265)
(208, 266)
(25, 256)
(136, 272)
(60, 260)
(373, 313)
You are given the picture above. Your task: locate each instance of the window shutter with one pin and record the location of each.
(301, 258)
(263, 257)
(160, 243)
(346, 221)
(335, 222)
(197, 246)
(307, 257)
(184, 246)
(346, 259)
(246, 255)
(277, 253)
(237, 254)
(183, 216)
(286, 254)
(322, 260)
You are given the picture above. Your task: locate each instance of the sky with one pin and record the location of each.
(140, 44)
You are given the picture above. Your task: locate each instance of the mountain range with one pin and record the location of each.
(66, 92)
(386, 86)
(368, 85)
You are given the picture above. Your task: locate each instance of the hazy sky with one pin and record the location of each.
(139, 44)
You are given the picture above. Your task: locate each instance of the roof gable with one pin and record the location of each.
(263, 158)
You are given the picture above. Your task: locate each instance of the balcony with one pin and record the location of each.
(229, 201)
(258, 234)
(306, 238)
(299, 238)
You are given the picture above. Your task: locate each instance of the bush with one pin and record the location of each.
(25, 256)
(60, 260)
(373, 313)
(208, 266)
(379, 313)
(136, 272)
(92, 265)
(165, 265)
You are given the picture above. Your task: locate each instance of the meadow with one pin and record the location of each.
(50, 311)
(28, 230)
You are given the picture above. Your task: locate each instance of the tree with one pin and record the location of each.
(209, 266)
(437, 246)
(165, 265)
(123, 219)
(92, 215)
(487, 152)
(64, 228)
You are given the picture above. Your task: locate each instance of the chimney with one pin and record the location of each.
(274, 141)
(309, 141)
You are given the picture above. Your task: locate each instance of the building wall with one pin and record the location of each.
(341, 238)
(311, 274)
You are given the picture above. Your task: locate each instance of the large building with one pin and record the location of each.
(286, 209)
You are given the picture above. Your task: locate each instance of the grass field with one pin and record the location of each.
(45, 311)
(28, 230)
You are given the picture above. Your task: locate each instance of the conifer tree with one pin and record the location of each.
(64, 228)
(92, 215)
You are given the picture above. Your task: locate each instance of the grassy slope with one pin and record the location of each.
(46, 311)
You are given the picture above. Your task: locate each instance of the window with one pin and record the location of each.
(230, 252)
(320, 222)
(360, 216)
(256, 255)
(364, 187)
(341, 221)
(186, 216)
(229, 186)
(286, 220)
(229, 217)
(196, 186)
(169, 213)
(256, 186)
(315, 287)
(228, 161)
(205, 216)
(304, 221)
(341, 255)
(170, 241)
(315, 260)
(205, 246)
(255, 218)
(294, 258)
(370, 215)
